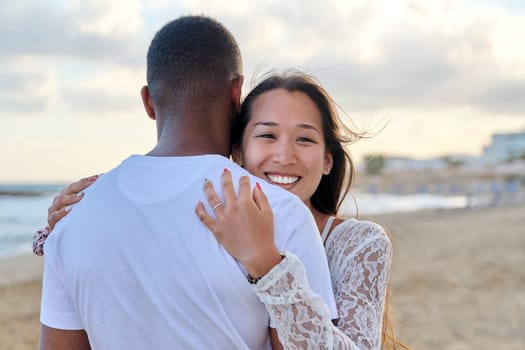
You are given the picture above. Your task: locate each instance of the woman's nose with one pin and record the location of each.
(285, 154)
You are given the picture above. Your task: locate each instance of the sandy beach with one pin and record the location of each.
(458, 282)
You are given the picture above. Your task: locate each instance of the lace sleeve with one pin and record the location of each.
(300, 316)
(39, 238)
(360, 255)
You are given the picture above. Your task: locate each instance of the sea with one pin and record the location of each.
(23, 210)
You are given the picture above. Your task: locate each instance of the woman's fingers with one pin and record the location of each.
(64, 200)
(207, 220)
(56, 215)
(79, 185)
(213, 199)
(228, 190)
(244, 188)
(261, 200)
(70, 195)
(243, 224)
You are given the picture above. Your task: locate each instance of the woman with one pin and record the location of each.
(289, 135)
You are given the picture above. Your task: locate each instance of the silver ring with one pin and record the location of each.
(217, 206)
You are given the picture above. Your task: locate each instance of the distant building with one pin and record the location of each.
(504, 147)
(395, 164)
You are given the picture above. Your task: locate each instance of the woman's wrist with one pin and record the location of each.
(254, 280)
(260, 265)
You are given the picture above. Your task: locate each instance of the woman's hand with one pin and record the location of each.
(68, 196)
(243, 225)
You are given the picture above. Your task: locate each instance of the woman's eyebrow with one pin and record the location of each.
(308, 126)
(265, 124)
(302, 125)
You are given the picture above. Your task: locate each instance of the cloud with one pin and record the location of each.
(40, 39)
(109, 92)
(507, 97)
(371, 54)
(87, 30)
(27, 88)
(424, 54)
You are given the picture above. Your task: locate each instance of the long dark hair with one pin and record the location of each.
(333, 187)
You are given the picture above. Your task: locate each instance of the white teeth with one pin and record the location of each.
(284, 180)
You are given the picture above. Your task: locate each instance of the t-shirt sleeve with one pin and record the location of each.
(57, 309)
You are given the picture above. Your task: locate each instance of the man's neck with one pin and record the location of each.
(162, 150)
(191, 139)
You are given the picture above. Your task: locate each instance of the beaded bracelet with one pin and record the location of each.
(254, 280)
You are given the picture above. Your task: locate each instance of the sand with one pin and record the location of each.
(458, 282)
(458, 278)
(20, 287)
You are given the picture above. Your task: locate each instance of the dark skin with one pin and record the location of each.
(52, 338)
(202, 131)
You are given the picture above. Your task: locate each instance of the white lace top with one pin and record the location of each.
(359, 255)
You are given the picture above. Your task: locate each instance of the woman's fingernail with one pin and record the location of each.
(258, 186)
(92, 178)
(68, 208)
(226, 171)
(80, 194)
(205, 181)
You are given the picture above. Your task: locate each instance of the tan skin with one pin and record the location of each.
(244, 208)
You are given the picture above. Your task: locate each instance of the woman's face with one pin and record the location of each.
(283, 142)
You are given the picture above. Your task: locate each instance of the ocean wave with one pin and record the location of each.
(29, 190)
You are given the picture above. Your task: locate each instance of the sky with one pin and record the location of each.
(437, 76)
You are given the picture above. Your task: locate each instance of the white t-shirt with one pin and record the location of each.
(133, 265)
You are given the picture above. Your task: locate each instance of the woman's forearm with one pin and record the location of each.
(301, 317)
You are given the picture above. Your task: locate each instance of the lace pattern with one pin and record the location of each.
(359, 256)
(39, 238)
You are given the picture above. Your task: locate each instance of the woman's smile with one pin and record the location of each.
(284, 144)
(281, 179)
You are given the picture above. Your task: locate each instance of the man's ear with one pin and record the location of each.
(147, 102)
(237, 91)
(237, 154)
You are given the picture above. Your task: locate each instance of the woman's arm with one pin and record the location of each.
(59, 208)
(360, 255)
(301, 317)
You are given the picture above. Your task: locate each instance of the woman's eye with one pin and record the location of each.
(305, 139)
(266, 136)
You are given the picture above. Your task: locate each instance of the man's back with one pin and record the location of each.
(135, 268)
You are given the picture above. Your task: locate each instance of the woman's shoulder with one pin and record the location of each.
(356, 232)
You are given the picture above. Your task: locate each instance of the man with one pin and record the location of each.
(132, 267)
